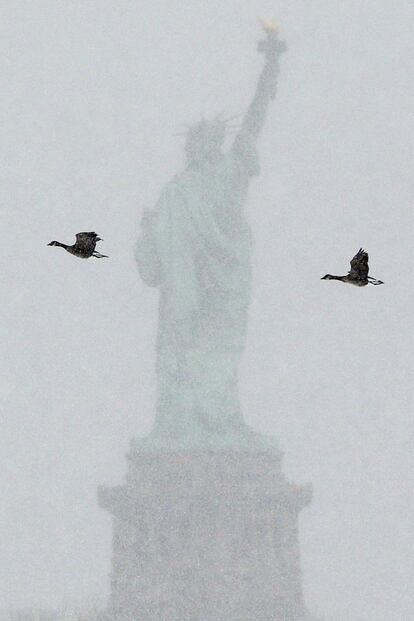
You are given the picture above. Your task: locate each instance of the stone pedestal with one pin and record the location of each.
(205, 536)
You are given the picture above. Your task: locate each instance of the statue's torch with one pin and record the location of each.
(269, 25)
(272, 43)
(271, 47)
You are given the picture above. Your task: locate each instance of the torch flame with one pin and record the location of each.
(269, 25)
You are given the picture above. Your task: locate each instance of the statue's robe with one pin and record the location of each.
(196, 248)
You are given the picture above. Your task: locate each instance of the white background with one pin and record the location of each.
(93, 94)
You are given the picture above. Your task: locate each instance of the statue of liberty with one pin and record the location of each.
(196, 248)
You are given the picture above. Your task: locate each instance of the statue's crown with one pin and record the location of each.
(211, 130)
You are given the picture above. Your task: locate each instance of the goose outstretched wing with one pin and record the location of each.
(359, 265)
(87, 240)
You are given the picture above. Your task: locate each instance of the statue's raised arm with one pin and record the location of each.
(271, 47)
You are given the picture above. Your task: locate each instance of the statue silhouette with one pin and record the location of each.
(196, 248)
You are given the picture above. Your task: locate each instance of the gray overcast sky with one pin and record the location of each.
(92, 95)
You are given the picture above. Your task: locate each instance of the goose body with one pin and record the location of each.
(84, 247)
(358, 274)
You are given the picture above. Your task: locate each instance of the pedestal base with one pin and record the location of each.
(206, 536)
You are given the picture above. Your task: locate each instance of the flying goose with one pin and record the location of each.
(358, 274)
(84, 247)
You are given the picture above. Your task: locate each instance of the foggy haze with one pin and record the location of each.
(93, 97)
